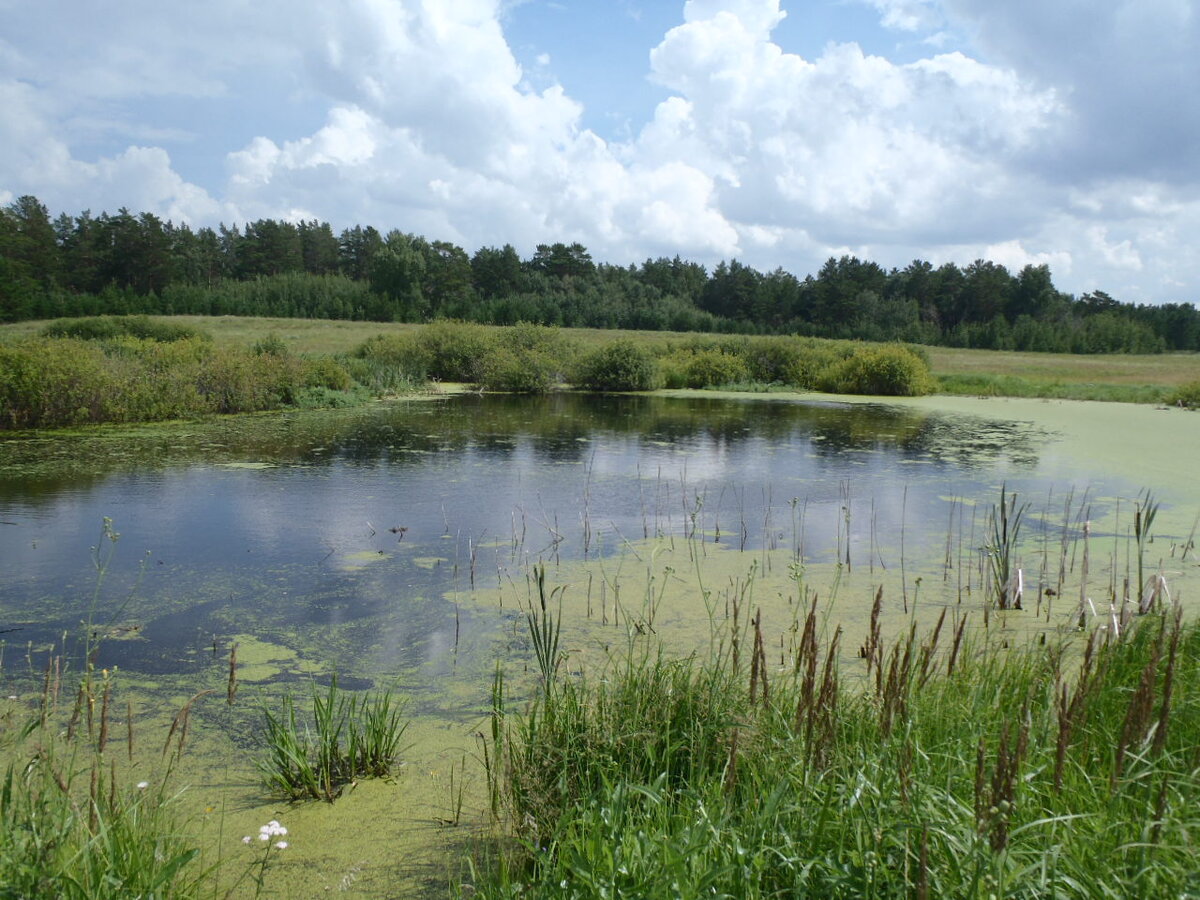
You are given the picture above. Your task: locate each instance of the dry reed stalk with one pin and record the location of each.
(754, 664)
(821, 725)
(928, 649)
(232, 687)
(129, 727)
(1083, 597)
(75, 714)
(870, 649)
(1134, 729)
(102, 741)
(180, 723)
(1160, 808)
(1164, 713)
(806, 658)
(956, 646)
(92, 791)
(758, 666)
(894, 696)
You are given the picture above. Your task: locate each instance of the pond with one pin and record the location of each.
(392, 544)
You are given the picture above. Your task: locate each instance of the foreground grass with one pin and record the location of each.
(956, 770)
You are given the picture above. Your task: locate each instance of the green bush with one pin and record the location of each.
(887, 370)
(542, 338)
(455, 350)
(101, 327)
(326, 372)
(773, 360)
(389, 363)
(271, 345)
(1187, 395)
(703, 368)
(518, 371)
(619, 366)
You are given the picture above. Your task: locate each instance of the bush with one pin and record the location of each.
(619, 366)
(1187, 395)
(101, 327)
(271, 345)
(389, 363)
(455, 350)
(703, 368)
(518, 371)
(326, 372)
(888, 370)
(773, 360)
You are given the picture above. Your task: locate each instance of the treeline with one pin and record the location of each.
(126, 263)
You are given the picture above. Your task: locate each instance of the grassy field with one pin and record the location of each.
(1131, 378)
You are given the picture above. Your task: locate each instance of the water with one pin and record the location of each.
(349, 529)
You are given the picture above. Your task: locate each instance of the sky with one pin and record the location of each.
(776, 132)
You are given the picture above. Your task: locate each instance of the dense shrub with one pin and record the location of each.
(518, 371)
(272, 345)
(889, 370)
(326, 372)
(54, 382)
(773, 360)
(525, 359)
(387, 364)
(1186, 395)
(455, 350)
(619, 366)
(102, 327)
(703, 368)
(543, 338)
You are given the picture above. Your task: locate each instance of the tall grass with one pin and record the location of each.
(346, 737)
(55, 382)
(961, 770)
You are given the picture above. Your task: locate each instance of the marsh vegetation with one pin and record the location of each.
(744, 644)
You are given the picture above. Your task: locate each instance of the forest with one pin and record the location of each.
(123, 263)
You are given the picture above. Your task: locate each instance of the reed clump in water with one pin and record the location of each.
(956, 769)
(347, 737)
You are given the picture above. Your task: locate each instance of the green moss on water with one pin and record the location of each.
(430, 562)
(260, 660)
(360, 559)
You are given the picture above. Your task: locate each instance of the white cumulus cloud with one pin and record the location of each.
(1055, 133)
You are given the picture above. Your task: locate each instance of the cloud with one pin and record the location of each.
(849, 147)
(1047, 133)
(908, 15)
(1121, 64)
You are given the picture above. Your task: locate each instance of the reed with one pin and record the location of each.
(1007, 580)
(345, 737)
(969, 768)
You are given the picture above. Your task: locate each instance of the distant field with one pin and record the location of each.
(1119, 377)
(1166, 369)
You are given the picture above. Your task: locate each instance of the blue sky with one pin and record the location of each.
(780, 133)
